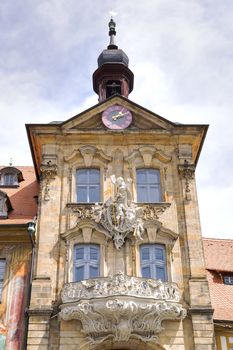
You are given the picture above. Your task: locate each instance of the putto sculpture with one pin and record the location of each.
(119, 216)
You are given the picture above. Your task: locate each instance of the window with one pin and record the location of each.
(148, 186)
(88, 185)
(86, 261)
(228, 279)
(2, 273)
(10, 177)
(113, 88)
(153, 261)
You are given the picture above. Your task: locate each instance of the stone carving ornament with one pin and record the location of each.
(119, 216)
(120, 284)
(187, 171)
(121, 307)
(48, 173)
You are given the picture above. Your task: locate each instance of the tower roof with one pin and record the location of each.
(112, 54)
(112, 69)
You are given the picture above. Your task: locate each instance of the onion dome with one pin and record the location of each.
(113, 75)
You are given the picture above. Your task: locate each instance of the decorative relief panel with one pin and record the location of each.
(48, 172)
(120, 217)
(121, 307)
(187, 171)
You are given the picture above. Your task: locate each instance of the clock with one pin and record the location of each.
(117, 117)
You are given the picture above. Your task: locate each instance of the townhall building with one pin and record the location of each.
(113, 256)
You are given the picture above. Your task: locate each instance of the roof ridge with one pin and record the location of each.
(217, 239)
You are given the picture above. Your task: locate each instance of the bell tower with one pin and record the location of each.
(112, 75)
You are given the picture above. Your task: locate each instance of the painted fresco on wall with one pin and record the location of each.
(3, 332)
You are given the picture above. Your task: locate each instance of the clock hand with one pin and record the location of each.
(119, 115)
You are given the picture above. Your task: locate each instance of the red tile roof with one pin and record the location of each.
(21, 198)
(218, 254)
(219, 261)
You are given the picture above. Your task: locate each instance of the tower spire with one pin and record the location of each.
(113, 75)
(112, 34)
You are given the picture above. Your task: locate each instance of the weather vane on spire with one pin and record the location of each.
(112, 31)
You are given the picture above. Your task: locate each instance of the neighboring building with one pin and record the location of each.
(219, 265)
(18, 208)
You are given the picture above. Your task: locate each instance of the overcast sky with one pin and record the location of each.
(181, 54)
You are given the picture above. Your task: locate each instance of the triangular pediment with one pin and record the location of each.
(142, 119)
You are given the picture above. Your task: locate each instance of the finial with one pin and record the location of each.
(10, 163)
(112, 33)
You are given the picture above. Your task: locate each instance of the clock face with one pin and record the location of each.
(117, 117)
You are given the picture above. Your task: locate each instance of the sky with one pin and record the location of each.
(180, 52)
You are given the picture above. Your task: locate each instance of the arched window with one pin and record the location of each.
(10, 177)
(148, 186)
(153, 261)
(88, 185)
(86, 261)
(113, 87)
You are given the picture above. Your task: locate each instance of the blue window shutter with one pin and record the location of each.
(153, 261)
(86, 261)
(88, 185)
(148, 185)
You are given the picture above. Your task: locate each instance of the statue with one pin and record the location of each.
(119, 216)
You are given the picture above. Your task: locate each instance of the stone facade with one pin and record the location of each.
(60, 316)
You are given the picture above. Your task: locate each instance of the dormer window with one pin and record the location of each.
(10, 177)
(5, 205)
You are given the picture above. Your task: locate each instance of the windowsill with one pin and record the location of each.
(9, 186)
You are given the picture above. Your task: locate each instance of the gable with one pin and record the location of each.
(142, 119)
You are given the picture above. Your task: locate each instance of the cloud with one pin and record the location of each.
(180, 53)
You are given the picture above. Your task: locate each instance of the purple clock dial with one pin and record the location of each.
(117, 117)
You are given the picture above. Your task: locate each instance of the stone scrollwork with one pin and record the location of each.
(119, 216)
(187, 171)
(121, 307)
(48, 172)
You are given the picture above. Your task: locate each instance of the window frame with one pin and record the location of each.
(153, 263)
(228, 280)
(86, 262)
(16, 175)
(88, 185)
(148, 184)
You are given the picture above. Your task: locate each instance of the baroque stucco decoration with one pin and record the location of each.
(187, 171)
(121, 307)
(48, 172)
(119, 216)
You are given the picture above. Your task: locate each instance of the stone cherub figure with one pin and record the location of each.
(119, 216)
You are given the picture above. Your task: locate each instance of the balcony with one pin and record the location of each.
(121, 307)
